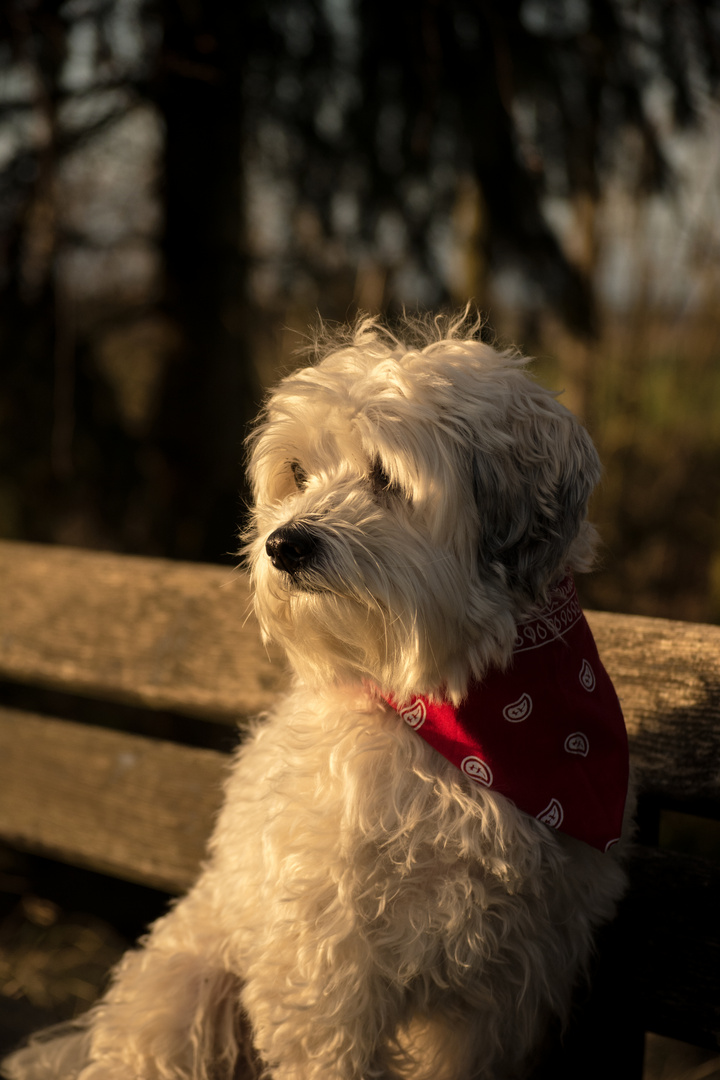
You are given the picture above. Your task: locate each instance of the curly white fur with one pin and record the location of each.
(366, 911)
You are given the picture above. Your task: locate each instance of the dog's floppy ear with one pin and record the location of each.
(532, 492)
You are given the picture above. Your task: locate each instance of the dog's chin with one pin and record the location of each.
(304, 583)
(334, 637)
(315, 627)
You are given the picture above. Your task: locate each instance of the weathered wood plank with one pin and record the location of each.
(165, 635)
(137, 808)
(667, 675)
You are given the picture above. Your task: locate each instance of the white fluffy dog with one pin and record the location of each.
(412, 856)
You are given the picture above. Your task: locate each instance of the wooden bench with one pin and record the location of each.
(173, 648)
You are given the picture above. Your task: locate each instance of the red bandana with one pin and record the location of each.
(547, 732)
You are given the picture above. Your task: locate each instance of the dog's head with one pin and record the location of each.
(410, 505)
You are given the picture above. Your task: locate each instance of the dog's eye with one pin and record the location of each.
(381, 483)
(299, 475)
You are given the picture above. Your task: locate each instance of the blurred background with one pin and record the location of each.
(185, 186)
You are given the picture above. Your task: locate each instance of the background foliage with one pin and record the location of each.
(185, 185)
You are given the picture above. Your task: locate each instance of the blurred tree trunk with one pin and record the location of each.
(36, 402)
(580, 354)
(211, 390)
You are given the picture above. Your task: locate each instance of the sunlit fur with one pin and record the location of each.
(420, 586)
(366, 911)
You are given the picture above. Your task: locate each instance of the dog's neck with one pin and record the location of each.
(546, 732)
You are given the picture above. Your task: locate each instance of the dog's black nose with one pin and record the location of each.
(291, 548)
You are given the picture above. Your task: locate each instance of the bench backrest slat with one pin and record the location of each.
(164, 635)
(667, 676)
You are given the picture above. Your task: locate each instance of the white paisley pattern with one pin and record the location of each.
(553, 622)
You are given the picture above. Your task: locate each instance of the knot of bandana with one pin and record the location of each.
(547, 732)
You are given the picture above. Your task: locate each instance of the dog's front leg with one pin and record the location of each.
(320, 1010)
(172, 1011)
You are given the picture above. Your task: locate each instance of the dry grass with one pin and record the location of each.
(54, 960)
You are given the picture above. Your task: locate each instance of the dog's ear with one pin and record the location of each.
(532, 491)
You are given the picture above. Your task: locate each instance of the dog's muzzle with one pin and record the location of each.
(291, 548)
